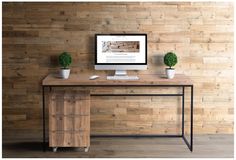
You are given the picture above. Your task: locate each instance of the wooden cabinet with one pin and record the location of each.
(69, 119)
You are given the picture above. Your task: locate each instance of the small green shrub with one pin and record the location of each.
(65, 60)
(170, 59)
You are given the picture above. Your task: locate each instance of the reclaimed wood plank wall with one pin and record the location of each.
(201, 34)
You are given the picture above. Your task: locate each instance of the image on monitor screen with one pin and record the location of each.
(120, 46)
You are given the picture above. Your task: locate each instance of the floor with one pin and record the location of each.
(214, 146)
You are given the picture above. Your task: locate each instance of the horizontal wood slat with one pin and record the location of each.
(146, 80)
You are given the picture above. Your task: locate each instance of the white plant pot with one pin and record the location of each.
(170, 73)
(64, 73)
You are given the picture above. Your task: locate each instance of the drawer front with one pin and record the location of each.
(69, 123)
(61, 123)
(82, 107)
(69, 107)
(82, 139)
(61, 107)
(82, 123)
(57, 139)
(69, 139)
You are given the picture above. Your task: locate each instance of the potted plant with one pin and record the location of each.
(170, 59)
(65, 61)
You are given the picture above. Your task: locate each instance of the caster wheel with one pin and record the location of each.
(54, 149)
(86, 149)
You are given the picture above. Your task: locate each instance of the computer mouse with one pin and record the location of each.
(93, 77)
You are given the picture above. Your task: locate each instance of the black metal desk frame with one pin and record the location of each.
(189, 144)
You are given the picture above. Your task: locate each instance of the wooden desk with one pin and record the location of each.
(82, 80)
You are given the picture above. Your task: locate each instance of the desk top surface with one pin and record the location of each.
(147, 79)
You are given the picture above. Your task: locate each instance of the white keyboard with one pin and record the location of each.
(122, 78)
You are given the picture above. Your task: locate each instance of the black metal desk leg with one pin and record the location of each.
(183, 112)
(188, 143)
(44, 142)
(191, 119)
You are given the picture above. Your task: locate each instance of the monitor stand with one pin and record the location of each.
(122, 75)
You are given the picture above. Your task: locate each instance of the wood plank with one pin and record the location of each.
(53, 79)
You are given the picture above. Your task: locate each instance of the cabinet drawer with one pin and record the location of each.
(57, 139)
(82, 107)
(69, 107)
(61, 107)
(82, 139)
(61, 123)
(69, 123)
(82, 123)
(69, 139)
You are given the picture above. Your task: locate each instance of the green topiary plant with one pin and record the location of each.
(170, 59)
(65, 60)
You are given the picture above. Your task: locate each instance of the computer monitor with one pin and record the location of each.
(120, 52)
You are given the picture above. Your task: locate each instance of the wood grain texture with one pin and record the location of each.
(83, 80)
(201, 34)
(69, 119)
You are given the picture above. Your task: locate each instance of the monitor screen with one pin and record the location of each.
(121, 49)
